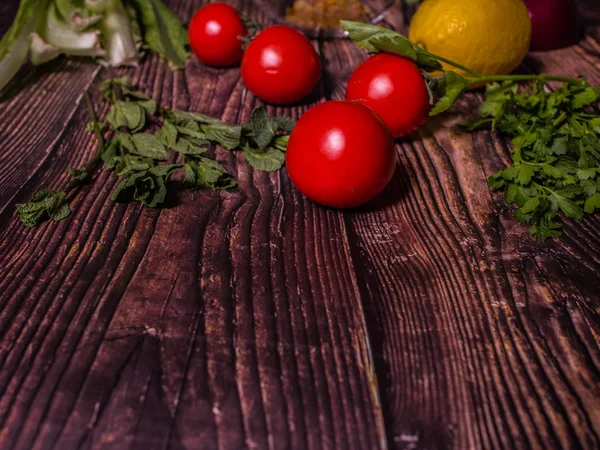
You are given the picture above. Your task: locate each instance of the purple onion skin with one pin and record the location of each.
(554, 24)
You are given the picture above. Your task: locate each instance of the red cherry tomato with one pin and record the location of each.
(214, 32)
(395, 89)
(280, 65)
(340, 154)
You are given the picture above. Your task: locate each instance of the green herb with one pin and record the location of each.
(556, 155)
(146, 142)
(112, 30)
(45, 204)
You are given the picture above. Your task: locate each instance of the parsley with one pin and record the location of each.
(146, 143)
(556, 137)
(556, 155)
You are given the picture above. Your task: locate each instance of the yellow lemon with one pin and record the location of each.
(490, 37)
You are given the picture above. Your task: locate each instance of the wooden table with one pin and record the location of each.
(256, 319)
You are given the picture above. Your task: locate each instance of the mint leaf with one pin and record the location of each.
(128, 115)
(267, 160)
(265, 128)
(148, 187)
(281, 142)
(168, 134)
(144, 144)
(180, 117)
(79, 174)
(149, 146)
(185, 147)
(207, 172)
(149, 106)
(227, 136)
(45, 204)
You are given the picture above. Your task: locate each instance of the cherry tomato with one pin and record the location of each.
(280, 65)
(340, 154)
(395, 89)
(214, 32)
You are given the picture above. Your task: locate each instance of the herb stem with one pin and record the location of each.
(91, 164)
(540, 77)
(93, 118)
(455, 64)
(559, 120)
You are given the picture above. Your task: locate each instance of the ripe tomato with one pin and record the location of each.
(340, 154)
(214, 32)
(280, 65)
(395, 89)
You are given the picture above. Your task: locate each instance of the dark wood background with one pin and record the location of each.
(256, 319)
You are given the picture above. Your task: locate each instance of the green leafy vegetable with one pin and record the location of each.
(112, 30)
(163, 31)
(449, 89)
(45, 204)
(146, 143)
(202, 172)
(555, 167)
(556, 137)
(14, 46)
(267, 160)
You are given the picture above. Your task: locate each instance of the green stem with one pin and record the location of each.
(540, 164)
(542, 77)
(559, 120)
(454, 64)
(90, 166)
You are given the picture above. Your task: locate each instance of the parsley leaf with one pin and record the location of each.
(449, 89)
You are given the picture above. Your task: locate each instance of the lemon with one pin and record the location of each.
(490, 37)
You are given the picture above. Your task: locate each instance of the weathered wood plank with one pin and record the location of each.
(483, 337)
(247, 319)
(230, 321)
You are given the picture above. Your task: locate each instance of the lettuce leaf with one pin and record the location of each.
(162, 31)
(14, 46)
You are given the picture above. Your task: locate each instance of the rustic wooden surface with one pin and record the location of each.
(257, 319)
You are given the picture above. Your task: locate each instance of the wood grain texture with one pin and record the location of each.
(254, 318)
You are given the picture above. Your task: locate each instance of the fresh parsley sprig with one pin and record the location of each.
(149, 144)
(556, 134)
(556, 156)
